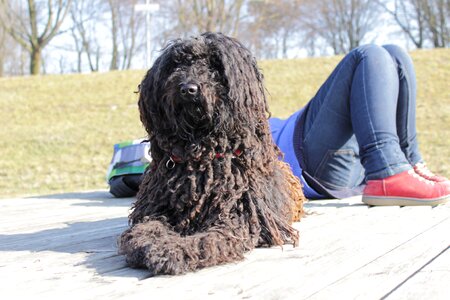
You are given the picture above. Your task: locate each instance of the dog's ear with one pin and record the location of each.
(150, 91)
(240, 73)
(141, 103)
(144, 103)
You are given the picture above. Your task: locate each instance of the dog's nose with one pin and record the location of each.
(188, 89)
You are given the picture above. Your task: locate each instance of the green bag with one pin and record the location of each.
(130, 160)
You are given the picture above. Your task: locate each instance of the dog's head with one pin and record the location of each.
(199, 86)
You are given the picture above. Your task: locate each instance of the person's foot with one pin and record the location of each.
(422, 170)
(405, 189)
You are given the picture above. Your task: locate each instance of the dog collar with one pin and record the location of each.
(174, 159)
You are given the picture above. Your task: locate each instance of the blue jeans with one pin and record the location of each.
(361, 124)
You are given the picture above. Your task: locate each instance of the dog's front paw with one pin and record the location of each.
(133, 247)
(154, 246)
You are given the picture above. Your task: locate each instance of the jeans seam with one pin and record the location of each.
(368, 115)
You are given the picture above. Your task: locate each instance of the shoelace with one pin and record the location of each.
(420, 178)
(423, 170)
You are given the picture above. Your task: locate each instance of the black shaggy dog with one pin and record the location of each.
(215, 188)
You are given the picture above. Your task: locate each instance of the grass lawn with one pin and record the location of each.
(57, 131)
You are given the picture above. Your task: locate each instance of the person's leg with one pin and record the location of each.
(357, 108)
(406, 104)
(352, 118)
(406, 113)
(374, 96)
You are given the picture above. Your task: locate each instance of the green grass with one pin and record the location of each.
(57, 132)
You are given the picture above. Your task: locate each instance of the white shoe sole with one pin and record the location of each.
(400, 201)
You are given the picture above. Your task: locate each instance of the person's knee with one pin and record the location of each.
(395, 50)
(398, 53)
(371, 51)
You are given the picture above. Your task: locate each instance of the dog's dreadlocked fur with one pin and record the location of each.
(215, 188)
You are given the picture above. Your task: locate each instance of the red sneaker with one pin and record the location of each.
(404, 189)
(422, 170)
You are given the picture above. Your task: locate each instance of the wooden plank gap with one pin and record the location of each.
(414, 273)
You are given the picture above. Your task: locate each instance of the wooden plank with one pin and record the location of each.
(301, 274)
(379, 276)
(55, 237)
(338, 240)
(289, 276)
(47, 224)
(59, 212)
(17, 205)
(431, 281)
(91, 246)
(26, 254)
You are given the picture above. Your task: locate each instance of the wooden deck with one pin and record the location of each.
(65, 246)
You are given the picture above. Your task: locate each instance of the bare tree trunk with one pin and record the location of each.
(2, 66)
(284, 42)
(128, 23)
(114, 32)
(62, 63)
(434, 15)
(237, 17)
(35, 61)
(2, 51)
(409, 16)
(78, 49)
(85, 18)
(420, 25)
(197, 16)
(444, 26)
(270, 27)
(26, 30)
(342, 24)
(97, 59)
